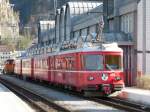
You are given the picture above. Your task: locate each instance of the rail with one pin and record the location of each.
(123, 104)
(40, 103)
(113, 102)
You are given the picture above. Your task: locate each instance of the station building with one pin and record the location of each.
(125, 22)
(131, 17)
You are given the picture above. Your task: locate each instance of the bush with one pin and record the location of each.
(143, 82)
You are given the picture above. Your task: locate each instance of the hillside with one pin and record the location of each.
(27, 8)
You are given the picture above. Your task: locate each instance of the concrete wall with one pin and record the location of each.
(147, 23)
(143, 40)
(141, 29)
(121, 9)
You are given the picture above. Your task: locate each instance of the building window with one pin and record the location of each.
(127, 22)
(111, 25)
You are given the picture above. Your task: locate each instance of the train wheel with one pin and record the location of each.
(92, 94)
(21, 77)
(24, 78)
(86, 94)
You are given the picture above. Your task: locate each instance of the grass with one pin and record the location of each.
(143, 82)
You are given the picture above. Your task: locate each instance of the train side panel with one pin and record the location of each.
(59, 71)
(18, 67)
(41, 68)
(65, 71)
(26, 67)
(72, 74)
(52, 69)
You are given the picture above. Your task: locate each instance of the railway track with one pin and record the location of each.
(39, 103)
(113, 102)
(118, 103)
(123, 104)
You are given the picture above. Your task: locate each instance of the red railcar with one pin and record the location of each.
(89, 69)
(9, 66)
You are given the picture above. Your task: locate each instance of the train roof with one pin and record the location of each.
(87, 47)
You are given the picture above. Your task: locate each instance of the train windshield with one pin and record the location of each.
(93, 62)
(113, 62)
(9, 62)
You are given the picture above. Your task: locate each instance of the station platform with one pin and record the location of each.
(136, 95)
(9, 102)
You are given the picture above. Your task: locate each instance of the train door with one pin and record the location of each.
(32, 67)
(21, 67)
(52, 68)
(49, 68)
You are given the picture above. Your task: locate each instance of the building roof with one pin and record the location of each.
(98, 11)
(90, 18)
(80, 7)
(46, 22)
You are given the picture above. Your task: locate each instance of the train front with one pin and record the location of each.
(104, 69)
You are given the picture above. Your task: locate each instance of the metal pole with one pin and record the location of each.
(55, 6)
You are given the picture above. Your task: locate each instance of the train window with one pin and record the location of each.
(58, 63)
(38, 63)
(62, 63)
(44, 64)
(9, 62)
(70, 63)
(40, 66)
(113, 62)
(93, 62)
(52, 63)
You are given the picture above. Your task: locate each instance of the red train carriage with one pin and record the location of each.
(89, 69)
(9, 66)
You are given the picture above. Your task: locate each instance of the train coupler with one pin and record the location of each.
(106, 89)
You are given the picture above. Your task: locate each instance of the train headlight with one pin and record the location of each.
(90, 78)
(104, 77)
(117, 78)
